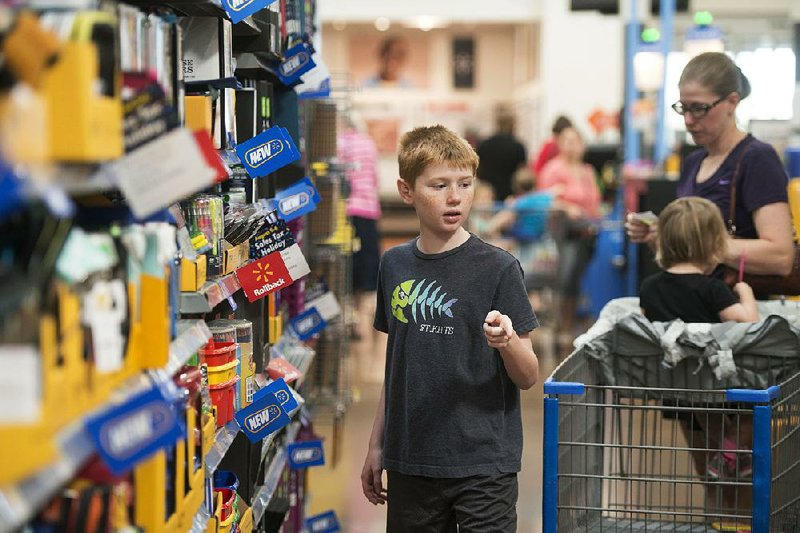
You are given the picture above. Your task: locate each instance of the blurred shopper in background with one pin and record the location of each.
(550, 147)
(711, 87)
(357, 152)
(501, 154)
(577, 207)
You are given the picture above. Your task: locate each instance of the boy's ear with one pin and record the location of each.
(406, 191)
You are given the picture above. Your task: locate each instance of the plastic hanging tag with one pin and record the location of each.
(298, 60)
(305, 454)
(282, 392)
(275, 271)
(267, 152)
(297, 200)
(323, 523)
(262, 417)
(275, 237)
(238, 10)
(290, 142)
(128, 433)
(307, 324)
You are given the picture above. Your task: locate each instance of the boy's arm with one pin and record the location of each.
(372, 472)
(516, 350)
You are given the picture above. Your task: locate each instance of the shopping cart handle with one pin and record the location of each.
(753, 396)
(563, 387)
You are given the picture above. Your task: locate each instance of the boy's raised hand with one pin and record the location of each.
(498, 329)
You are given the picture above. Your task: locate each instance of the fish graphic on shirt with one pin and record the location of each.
(421, 299)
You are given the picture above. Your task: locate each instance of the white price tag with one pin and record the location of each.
(162, 172)
(295, 262)
(327, 306)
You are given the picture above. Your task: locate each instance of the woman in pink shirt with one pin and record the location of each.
(577, 204)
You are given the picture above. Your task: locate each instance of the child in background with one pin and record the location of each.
(691, 242)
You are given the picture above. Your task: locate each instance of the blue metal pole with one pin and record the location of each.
(631, 139)
(762, 463)
(667, 14)
(550, 467)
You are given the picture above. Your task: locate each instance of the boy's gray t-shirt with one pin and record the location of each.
(451, 408)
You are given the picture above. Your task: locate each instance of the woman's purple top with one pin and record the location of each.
(762, 180)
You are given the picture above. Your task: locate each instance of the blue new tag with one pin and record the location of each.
(238, 10)
(282, 392)
(262, 417)
(297, 62)
(305, 454)
(267, 152)
(307, 323)
(130, 432)
(323, 523)
(297, 200)
(290, 142)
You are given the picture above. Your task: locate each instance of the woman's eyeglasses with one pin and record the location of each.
(696, 110)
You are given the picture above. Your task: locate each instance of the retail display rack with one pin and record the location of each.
(160, 326)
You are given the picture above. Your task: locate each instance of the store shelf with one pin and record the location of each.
(265, 493)
(193, 8)
(20, 502)
(210, 295)
(194, 334)
(246, 28)
(222, 443)
(200, 520)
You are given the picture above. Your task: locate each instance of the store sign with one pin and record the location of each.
(267, 152)
(238, 10)
(323, 523)
(273, 272)
(307, 324)
(133, 431)
(276, 237)
(305, 454)
(297, 200)
(262, 417)
(282, 392)
(297, 62)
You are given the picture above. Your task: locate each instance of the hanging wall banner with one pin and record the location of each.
(463, 63)
(273, 272)
(267, 152)
(323, 523)
(238, 10)
(262, 417)
(305, 454)
(131, 432)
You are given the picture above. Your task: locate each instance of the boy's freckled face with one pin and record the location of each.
(442, 196)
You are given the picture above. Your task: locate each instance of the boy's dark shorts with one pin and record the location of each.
(446, 505)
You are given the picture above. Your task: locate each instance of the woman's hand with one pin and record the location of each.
(639, 232)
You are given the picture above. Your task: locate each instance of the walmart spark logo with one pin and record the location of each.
(262, 273)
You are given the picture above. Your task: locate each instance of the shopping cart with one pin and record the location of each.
(638, 442)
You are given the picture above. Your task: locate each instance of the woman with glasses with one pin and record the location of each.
(711, 87)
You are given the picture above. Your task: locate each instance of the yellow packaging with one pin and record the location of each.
(234, 256)
(198, 113)
(193, 274)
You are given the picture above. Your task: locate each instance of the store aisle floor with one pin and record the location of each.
(338, 486)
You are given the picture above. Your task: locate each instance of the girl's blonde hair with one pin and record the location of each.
(691, 230)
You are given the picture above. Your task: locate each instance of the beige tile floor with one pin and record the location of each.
(338, 486)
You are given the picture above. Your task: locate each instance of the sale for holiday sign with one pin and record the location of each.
(272, 272)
